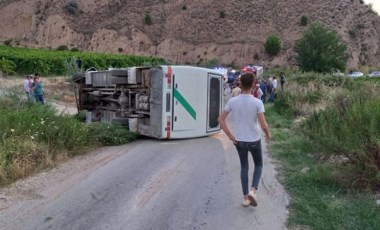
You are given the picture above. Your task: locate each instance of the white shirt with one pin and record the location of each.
(259, 93)
(275, 84)
(26, 86)
(244, 109)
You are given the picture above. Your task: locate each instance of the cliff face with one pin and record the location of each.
(185, 31)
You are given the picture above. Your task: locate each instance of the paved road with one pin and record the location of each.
(150, 184)
(187, 184)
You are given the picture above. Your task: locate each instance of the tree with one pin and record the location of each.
(304, 20)
(148, 19)
(321, 50)
(273, 44)
(222, 14)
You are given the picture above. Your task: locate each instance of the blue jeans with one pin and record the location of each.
(40, 98)
(255, 149)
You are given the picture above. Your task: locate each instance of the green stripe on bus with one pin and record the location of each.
(185, 104)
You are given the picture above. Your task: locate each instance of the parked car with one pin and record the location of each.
(374, 74)
(355, 74)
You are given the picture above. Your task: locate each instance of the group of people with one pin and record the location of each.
(262, 89)
(33, 89)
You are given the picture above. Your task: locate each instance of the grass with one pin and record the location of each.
(319, 199)
(33, 137)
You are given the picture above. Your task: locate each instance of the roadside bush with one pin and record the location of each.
(304, 20)
(350, 127)
(111, 134)
(284, 104)
(62, 47)
(331, 153)
(309, 92)
(313, 97)
(33, 137)
(318, 80)
(273, 44)
(212, 63)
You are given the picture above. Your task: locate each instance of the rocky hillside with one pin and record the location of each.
(188, 31)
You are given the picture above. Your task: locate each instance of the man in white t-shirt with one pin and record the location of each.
(247, 112)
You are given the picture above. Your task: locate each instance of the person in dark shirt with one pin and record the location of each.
(263, 87)
(38, 89)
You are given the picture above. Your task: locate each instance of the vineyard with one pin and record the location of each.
(55, 62)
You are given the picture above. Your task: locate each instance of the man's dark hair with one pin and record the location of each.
(247, 80)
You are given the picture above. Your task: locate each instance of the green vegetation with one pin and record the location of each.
(321, 50)
(148, 19)
(111, 134)
(71, 7)
(273, 44)
(304, 20)
(52, 62)
(350, 128)
(33, 137)
(326, 133)
(63, 47)
(8, 42)
(7, 66)
(212, 63)
(222, 14)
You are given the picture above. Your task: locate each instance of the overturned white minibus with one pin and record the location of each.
(165, 102)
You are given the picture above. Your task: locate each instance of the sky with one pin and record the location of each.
(375, 4)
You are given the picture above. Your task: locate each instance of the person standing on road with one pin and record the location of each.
(247, 112)
(38, 89)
